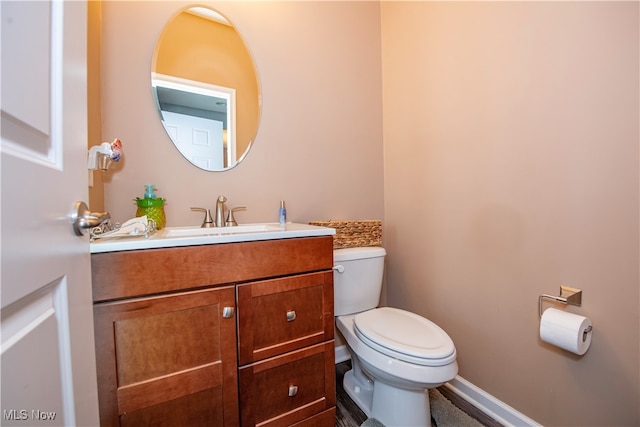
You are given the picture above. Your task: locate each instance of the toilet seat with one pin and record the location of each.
(405, 336)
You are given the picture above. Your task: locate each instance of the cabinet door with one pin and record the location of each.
(281, 315)
(291, 388)
(168, 360)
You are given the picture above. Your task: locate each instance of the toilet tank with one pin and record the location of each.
(357, 288)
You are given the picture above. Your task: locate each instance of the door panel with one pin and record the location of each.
(198, 139)
(46, 312)
(157, 351)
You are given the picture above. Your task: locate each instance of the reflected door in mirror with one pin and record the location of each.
(199, 140)
(202, 68)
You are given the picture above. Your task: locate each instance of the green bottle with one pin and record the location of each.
(152, 207)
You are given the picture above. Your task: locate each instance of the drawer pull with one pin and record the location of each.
(291, 316)
(227, 312)
(293, 390)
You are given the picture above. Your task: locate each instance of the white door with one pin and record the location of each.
(47, 364)
(199, 140)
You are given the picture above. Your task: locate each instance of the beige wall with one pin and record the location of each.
(511, 167)
(94, 113)
(319, 146)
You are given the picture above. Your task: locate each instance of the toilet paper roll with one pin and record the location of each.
(566, 330)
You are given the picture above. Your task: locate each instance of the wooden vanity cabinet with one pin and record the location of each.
(292, 388)
(228, 334)
(280, 315)
(167, 360)
(286, 349)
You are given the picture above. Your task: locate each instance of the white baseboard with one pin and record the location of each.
(491, 406)
(342, 354)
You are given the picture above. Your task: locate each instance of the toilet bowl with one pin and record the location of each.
(396, 355)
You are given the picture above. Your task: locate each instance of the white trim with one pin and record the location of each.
(483, 401)
(57, 86)
(342, 354)
(491, 406)
(61, 308)
(209, 14)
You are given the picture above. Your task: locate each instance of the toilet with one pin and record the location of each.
(396, 355)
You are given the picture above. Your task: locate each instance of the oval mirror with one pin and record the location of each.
(206, 88)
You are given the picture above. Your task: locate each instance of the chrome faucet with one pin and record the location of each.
(207, 222)
(231, 221)
(219, 220)
(220, 208)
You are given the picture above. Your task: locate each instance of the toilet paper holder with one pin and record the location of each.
(568, 295)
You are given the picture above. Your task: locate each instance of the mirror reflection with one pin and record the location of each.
(206, 89)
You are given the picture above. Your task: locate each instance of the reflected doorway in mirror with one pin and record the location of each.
(199, 118)
(199, 48)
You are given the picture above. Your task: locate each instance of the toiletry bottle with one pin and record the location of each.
(283, 214)
(151, 206)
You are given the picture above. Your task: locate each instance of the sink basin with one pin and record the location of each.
(217, 231)
(194, 235)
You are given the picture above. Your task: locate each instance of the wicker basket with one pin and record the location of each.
(351, 234)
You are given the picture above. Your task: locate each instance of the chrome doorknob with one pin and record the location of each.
(83, 219)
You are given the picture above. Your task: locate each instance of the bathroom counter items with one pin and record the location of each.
(239, 334)
(191, 236)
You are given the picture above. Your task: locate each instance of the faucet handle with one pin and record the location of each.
(231, 221)
(208, 221)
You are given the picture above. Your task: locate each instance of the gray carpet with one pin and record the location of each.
(446, 414)
(372, 422)
(443, 412)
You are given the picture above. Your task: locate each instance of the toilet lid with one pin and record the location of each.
(405, 336)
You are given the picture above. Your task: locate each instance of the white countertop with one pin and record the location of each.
(191, 236)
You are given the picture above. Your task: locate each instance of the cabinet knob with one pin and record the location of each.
(228, 312)
(291, 316)
(293, 390)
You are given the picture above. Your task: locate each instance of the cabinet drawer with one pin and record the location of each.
(325, 419)
(128, 274)
(281, 315)
(287, 389)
